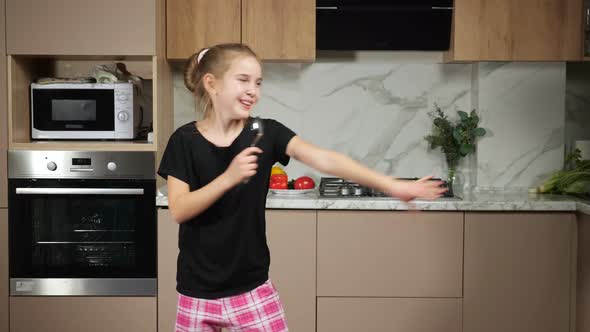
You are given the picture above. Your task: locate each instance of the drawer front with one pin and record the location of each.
(91, 314)
(390, 254)
(389, 314)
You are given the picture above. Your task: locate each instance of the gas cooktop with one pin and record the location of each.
(338, 187)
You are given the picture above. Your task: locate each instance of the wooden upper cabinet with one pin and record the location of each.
(195, 24)
(276, 30)
(280, 30)
(81, 27)
(523, 30)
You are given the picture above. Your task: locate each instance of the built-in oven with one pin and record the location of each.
(82, 223)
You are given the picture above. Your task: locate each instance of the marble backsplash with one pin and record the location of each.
(522, 104)
(376, 112)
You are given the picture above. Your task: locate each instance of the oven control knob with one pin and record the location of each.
(51, 166)
(112, 166)
(123, 116)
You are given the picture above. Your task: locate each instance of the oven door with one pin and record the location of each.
(82, 237)
(73, 109)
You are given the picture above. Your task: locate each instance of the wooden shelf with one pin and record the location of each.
(22, 70)
(586, 58)
(85, 145)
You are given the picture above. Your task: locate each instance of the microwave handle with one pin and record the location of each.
(79, 191)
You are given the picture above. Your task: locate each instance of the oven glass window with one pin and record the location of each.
(83, 233)
(83, 236)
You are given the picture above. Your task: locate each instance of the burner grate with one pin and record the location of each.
(338, 187)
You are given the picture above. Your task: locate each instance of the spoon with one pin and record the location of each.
(256, 125)
(259, 128)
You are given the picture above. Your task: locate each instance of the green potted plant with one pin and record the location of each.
(456, 139)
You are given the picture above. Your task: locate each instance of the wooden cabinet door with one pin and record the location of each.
(167, 258)
(291, 236)
(90, 314)
(81, 27)
(280, 30)
(389, 314)
(4, 270)
(583, 278)
(194, 24)
(390, 254)
(518, 272)
(537, 30)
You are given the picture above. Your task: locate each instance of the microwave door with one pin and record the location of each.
(73, 110)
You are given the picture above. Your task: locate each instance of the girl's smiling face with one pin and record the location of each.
(239, 88)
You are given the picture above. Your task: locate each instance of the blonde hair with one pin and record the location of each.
(215, 60)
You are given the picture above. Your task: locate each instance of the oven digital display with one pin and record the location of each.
(81, 161)
(73, 110)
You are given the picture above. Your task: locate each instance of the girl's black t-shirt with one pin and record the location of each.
(223, 251)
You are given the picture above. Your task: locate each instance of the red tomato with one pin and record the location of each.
(278, 181)
(304, 182)
(278, 185)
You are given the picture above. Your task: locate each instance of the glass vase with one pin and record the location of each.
(455, 179)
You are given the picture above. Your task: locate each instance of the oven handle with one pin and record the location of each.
(79, 191)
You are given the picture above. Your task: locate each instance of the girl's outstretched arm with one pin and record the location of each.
(337, 164)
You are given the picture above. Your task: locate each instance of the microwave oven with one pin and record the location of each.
(84, 111)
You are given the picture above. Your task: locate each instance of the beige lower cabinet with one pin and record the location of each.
(3, 110)
(291, 238)
(389, 271)
(89, 314)
(390, 254)
(389, 314)
(583, 279)
(519, 272)
(167, 257)
(3, 270)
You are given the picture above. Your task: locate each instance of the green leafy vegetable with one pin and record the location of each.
(575, 180)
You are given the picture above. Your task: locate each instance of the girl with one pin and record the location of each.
(217, 187)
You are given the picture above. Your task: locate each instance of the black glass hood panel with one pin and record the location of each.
(383, 24)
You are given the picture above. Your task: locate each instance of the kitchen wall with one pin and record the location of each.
(374, 107)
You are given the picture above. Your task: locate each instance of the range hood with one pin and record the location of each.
(423, 25)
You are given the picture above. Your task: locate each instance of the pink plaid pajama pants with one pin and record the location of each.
(259, 310)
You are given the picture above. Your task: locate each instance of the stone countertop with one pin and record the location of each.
(483, 200)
